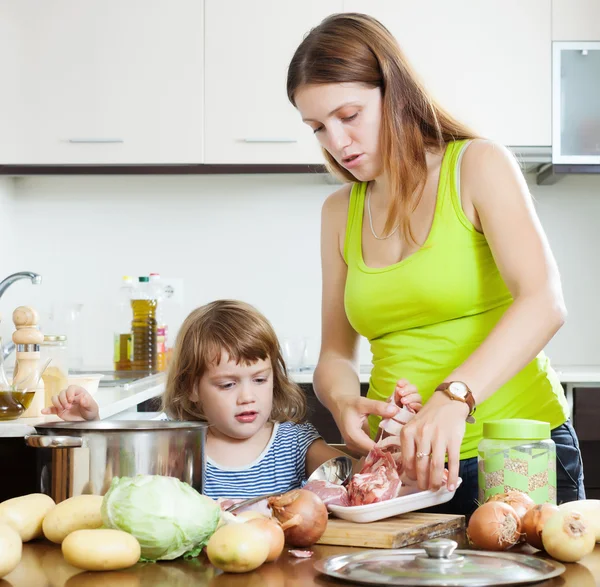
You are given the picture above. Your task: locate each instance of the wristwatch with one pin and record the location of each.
(459, 391)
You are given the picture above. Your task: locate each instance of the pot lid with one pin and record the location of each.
(438, 563)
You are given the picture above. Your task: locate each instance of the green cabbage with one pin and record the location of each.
(169, 518)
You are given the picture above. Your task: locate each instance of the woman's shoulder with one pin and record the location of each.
(483, 157)
(487, 163)
(334, 214)
(336, 204)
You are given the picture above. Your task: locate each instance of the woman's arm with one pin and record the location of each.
(495, 196)
(336, 381)
(495, 185)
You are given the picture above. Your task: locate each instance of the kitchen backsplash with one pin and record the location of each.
(252, 237)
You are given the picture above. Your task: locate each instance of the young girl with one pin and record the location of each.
(227, 369)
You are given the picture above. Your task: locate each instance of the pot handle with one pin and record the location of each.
(43, 441)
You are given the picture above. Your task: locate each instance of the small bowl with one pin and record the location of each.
(89, 381)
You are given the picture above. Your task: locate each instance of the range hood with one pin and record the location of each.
(575, 110)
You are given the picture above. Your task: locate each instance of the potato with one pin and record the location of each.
(101, 550)
(238, 548)
(11, 549)
(76, 513)
(26, 514)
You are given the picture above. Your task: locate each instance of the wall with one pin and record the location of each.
(9, 249)
(250, 237)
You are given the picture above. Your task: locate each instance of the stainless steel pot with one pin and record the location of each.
(76, 458)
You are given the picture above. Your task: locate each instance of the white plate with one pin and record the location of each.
(410, 500)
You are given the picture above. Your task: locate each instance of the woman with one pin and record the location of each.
(434, 253)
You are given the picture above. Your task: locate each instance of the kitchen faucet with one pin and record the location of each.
(4, 285)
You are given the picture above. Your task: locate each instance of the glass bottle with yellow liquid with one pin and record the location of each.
(143, 327)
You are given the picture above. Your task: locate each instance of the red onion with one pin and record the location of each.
(302, 515)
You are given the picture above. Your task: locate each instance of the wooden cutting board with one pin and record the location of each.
(395, 532)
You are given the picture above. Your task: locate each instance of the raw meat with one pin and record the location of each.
(380, 477)
(330, 493)
(301, 553)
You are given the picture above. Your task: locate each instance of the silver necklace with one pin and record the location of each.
(379, 238)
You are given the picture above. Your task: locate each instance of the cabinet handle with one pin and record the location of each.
(96, 141)
(269, 140)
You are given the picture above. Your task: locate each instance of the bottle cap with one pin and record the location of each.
(144, 279)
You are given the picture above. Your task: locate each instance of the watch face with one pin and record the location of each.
(458, 388)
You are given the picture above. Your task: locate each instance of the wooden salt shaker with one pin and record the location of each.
(27, 339)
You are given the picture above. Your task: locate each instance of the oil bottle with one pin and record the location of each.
(143, 327)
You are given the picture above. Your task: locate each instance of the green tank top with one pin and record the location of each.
(426, 314)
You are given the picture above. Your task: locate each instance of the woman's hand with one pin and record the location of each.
(73, 404)
(436, 431)
(406, 394)
(351, 415)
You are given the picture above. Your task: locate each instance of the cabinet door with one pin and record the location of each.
(248, 118)
(488, 63)
(102, 82)
(576, 20)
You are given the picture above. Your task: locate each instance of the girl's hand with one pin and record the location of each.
(436, 431)
(351, 418)
(406, 394)
(73, 404)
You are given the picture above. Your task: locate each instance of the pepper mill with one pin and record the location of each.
(27, 339)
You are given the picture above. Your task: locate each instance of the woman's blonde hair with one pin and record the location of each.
(241, 331)
(357, 48)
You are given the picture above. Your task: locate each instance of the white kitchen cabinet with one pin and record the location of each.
(249, 44)
(488, 63)
(576, 20)
(107, 82)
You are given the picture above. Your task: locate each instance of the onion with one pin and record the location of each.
(248, 515)
(273, 534)
(521, 502)
(567, 538)
(590, 508)
(494, 526)
(533, 523)
(302, 514)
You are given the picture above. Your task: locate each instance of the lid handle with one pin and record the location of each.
(439, 548)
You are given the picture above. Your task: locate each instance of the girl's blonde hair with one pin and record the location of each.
(242, 332)
(357, 48)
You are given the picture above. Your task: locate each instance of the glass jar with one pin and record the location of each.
(517, 455)
(56, 375)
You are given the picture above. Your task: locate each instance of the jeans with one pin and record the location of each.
(569, 475)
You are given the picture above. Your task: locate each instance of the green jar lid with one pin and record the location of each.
(516, 429)
(144, 279)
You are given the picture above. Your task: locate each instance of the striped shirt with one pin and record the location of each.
(280, 467)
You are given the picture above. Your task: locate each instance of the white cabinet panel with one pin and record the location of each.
(107, 82)
(249, 44)
(576, 20)
(488, 63)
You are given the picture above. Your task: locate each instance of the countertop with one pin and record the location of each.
(115, 402)
(568, 374)
(42, 565)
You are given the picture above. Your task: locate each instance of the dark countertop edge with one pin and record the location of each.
(193, 169)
